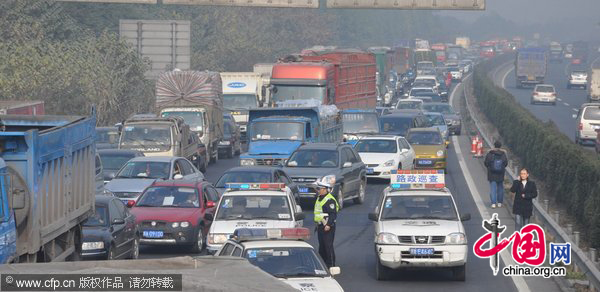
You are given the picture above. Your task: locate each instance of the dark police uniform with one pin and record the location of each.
(326, 208)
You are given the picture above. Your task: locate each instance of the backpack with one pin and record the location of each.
(497, 164)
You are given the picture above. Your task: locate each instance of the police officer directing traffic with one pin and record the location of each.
(326, 208)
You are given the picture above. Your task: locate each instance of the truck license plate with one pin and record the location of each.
(421, 251)
(153, 234)
(303, 189)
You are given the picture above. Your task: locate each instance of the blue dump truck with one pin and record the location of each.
(530, 66)
(47, 185)
(359, 123)
(275, 133)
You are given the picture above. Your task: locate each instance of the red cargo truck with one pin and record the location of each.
(345, 78)
(21, 107)
(440, 52)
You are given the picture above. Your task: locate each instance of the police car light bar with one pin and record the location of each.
(249, 234)
(255, 186)
(417, 179)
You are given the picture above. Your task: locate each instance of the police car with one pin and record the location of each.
(417, 225)
(253, 205)
(285, 254)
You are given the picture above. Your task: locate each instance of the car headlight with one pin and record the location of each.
(387, 238)
(92, 245)
(247, 162)
(217, 238)
(184, 224)
(449, 122)
(330, 179)
(389, 163)
(226, 143)
(175, 224)
(456, 238)
(440, 153)
(456, 122)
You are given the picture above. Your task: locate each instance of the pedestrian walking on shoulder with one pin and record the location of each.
(496, 162)
(325, 215)
(525, 191)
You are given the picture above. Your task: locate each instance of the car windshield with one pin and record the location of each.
(145, 169)
(376, 146)
(298, 92)
(579, 73)
(314, 158)
(171, 197)
(592, 113)
(544, 89)
(243, 177)
(239, 101)
(277, 131)
(147, 137)
(114, 161)
(254, 207)
(396, 125)
(418, 207)
(415, 91)
(194, 119)
(407, 104)
(439, 108)
(424, 138)
(426, 82)
(360, 123)
(107, 136)
(287, 262)
(436, 120)
(98, 219)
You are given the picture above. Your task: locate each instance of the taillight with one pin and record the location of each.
(580, 126)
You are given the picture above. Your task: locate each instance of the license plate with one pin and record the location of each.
(421, 251)
(369, 171)
(425, 162)
(153, 234)
(303, 189)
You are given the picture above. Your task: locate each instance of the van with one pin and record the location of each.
(588, 121)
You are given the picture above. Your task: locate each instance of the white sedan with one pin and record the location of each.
(382, 154)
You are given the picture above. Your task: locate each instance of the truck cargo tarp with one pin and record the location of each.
(183, 88)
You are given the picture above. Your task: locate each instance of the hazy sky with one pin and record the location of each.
(538, 11)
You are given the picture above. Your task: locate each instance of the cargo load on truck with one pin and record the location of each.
(197, 97)
(22, 107)
(594, 85)
(47, 185)
(530, 66)
(275, 133)
(345, 78)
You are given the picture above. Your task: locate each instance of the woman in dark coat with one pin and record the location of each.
(525, 191)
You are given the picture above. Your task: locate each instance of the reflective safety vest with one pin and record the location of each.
(319, 203)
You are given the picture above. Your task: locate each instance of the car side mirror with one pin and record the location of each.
(373, 216)
(112, 175)
(298, 209)
(334, 271)
(210, 204)
(18, 199)
(209, 216)
(292, 164)
(465, 217)
(118, 221)
(574, 116)
(130, 203)
(347, 164)
(178, 177)
(300, 216)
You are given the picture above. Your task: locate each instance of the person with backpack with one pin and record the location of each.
(496, 162)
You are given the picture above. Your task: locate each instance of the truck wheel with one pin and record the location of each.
(459, 273)
(382, 272)
(361, 193)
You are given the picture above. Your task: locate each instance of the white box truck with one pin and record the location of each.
(594, 85)
(241, 93)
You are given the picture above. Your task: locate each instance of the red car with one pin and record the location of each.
(175, 213)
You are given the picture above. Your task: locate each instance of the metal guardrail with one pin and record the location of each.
(579, 257)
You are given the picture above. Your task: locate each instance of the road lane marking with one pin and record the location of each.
(518, 280)
(566, 104)
(559, 99)
(506, 75)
